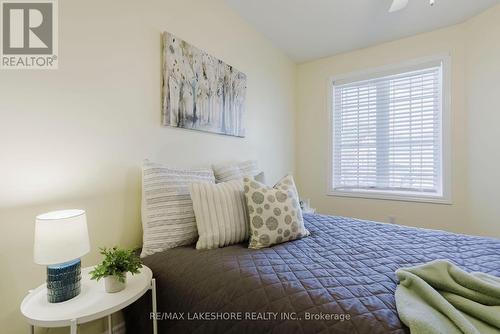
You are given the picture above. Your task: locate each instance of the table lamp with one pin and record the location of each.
(61, 238)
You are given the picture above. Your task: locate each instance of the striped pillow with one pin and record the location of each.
(167, 210)
(236, 171)
(220, 211)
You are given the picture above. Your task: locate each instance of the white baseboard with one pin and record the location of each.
(117, 328)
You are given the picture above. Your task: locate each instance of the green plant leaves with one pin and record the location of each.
(117, 262)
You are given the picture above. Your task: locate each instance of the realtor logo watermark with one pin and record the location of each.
(29, 34)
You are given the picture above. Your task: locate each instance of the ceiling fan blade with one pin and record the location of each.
(398, 5)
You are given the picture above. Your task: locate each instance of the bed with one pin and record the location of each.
(339, 280)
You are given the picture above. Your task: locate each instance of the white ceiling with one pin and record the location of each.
(311, 29)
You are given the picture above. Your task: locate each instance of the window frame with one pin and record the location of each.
(446, 171)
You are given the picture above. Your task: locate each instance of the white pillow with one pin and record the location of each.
(168, 219)
(238, 170)
(221, 215)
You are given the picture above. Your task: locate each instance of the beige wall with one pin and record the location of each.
(75, 137)
(475, 57)
(483, 121)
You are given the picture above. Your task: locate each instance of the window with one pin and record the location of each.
(388, 134)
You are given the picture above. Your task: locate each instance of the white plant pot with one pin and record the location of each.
(112, 284)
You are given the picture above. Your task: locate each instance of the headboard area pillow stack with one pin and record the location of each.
(216, 208)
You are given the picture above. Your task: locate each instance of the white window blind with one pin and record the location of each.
(387, 133)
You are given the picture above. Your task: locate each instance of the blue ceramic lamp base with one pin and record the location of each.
(63, 281)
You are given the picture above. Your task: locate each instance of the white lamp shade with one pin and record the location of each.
(60, 236)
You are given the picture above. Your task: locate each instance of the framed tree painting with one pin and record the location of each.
(201, 92)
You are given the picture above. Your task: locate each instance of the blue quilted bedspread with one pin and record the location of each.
(345, 267)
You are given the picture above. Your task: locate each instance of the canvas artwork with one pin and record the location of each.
(201, 92)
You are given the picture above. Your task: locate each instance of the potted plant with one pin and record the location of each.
(117, 262)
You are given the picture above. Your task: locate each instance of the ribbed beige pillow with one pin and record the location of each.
(220, 211)
(275, 214)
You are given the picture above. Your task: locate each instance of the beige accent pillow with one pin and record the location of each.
(220, 211)
(237, 171)
(274, 213)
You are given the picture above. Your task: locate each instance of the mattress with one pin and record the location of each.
(338, 280)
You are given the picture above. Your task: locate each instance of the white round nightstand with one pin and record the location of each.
(91, 304)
